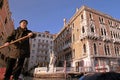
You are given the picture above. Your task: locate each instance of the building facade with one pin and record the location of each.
(6, 25)
(89, 39)
(41, 50)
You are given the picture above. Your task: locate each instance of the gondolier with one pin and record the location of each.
(18, 51)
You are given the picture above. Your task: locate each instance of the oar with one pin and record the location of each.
(25, 37)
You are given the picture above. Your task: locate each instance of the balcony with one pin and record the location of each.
(93, 35)
(89, 35)
(116, 40)
(106, 38)
(67, 46)
(83, 36)
(103, 56)
(42, 49)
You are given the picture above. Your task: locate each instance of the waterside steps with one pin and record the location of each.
(49, 75)
(58, 75)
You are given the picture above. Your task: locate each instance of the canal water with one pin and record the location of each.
(31, 78)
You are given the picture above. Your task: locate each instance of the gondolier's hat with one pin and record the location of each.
(23, 21)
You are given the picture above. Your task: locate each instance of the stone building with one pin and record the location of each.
(89, 39)
(6, 25)
(41, 49)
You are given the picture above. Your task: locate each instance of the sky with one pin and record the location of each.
(48, 15)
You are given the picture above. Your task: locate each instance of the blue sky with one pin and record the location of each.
(49, 14)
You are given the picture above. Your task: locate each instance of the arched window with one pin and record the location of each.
(108, 50)
(118, 52)
(104, 31)
(84, 48)
(92, 29)
(105, 49)
(39, 35)
(115, 51)
(101, 31)
(95, 49)
(83, 29)
(90, 16)
(82, 17)
(1, 4)
(111, 34)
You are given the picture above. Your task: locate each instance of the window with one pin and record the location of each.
(82, 17)
(51, 42)
(110, 23)
(95, 49)
(118, 52)
(111, 34)
(92, 29)
(33, 51)
(116, 24)
(39, 40)
(83, 29)
(45, 58)
(96, 63)
(46, 41)
(108, 50)
(51, 37)
(1, 4)
(3, 33)
(115, 51)
(101, 31)
(90, 15)
(73, 53)
(39, 35)
(5, 20)
(72, 25)
(33, 45)
(45, 52)
(43, 35)
(105, 49)
(47, 36)
(104, 31)
(43, 41)
(101, 20)
(84, 48)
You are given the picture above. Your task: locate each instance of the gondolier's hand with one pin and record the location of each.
(6, 44)
(30, 34)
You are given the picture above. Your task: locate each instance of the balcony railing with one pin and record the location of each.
(107, 56)
(116, 40)
(67, 46)
(106, 38)
(89, 35)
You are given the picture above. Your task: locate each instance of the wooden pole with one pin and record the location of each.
(25, 37)
(65, 69)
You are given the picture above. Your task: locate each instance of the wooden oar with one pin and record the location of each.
(25, 37)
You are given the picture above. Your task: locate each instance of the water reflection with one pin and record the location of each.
(31, 78)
